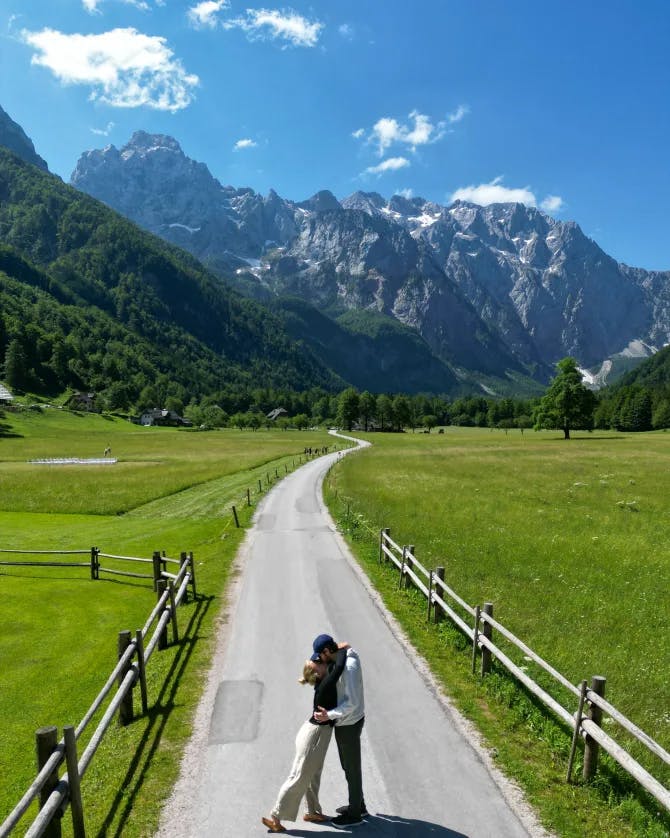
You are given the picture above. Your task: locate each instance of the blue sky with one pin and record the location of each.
(565, 106)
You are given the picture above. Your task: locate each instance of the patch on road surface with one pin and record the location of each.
(236, 712)
(308, 504)
(266, 522)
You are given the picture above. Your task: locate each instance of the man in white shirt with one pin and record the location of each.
(348, 718)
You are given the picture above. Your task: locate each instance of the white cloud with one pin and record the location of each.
(406, 193)
(284, 25)
(460, 112)
(386, 131)
(358, 134)
(392, 164)
(103, 132)
(346, 30)
(205, 14)
(495, 193)
(245, 143)
(92, 5)
(419, 131)
(552, 203)
(123, 67)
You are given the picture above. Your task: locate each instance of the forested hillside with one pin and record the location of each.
(88, 300)
(640, 400)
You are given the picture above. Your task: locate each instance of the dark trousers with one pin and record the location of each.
(348, 738)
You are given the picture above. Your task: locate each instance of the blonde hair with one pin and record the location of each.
(309, 675)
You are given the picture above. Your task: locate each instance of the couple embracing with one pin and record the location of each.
(334, 670)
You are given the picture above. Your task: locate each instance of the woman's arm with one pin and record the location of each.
(338, 668)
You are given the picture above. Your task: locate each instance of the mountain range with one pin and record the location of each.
(388, 295)
(498, 294)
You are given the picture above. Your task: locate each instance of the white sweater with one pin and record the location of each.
(350, 700)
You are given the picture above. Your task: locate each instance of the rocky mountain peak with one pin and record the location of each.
(370, 202)
(13, 137)
(142, 141)
(323, 201)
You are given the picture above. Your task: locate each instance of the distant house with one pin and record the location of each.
(276, 413)
(5, 396)
(162, 417)
(82, 401)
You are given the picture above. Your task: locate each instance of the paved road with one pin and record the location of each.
(421, 777)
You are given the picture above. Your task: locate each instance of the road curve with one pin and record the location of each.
(421, 776)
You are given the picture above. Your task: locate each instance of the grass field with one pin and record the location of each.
(569, 540)
(171, 490)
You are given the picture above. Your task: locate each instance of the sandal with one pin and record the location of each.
(315, 817)
(273, 826)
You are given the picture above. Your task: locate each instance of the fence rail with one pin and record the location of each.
(57, 794)
(443, 601)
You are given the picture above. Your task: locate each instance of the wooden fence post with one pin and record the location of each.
(475, 638)
(156, 559)
(183, 558)
(141, 669)
(237, 520)
(74, 782)
(95, 563)
(430, 594)
(248, 498)
(46, 740)
(487, 631)
(410, 564)
(161, 587)
(382, 555)
(402, 566)
(438, 613)
(126, 705)
(173, 612)
(192, 563)
(591, 747)
(260, 487)
(578, 725)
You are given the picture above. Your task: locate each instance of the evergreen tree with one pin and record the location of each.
(16, 367)
(661, 414)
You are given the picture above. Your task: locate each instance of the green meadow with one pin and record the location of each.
(171, 490)
(569, 540)
(566, 538)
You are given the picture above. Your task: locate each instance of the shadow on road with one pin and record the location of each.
(384, 825)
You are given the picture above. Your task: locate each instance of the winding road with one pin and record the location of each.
(422, 777)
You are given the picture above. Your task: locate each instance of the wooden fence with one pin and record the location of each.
(56, 793)
(158, 562)
(478, 624)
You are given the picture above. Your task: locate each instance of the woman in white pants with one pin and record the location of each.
(311, 745)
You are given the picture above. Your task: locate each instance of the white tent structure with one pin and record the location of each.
(5, 396)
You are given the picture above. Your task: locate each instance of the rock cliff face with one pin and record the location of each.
(501, 290)
(13, 137)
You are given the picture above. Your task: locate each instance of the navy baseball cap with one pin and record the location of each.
(320, 644)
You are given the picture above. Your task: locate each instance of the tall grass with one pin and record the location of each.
(171, 490)
(567, 538)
